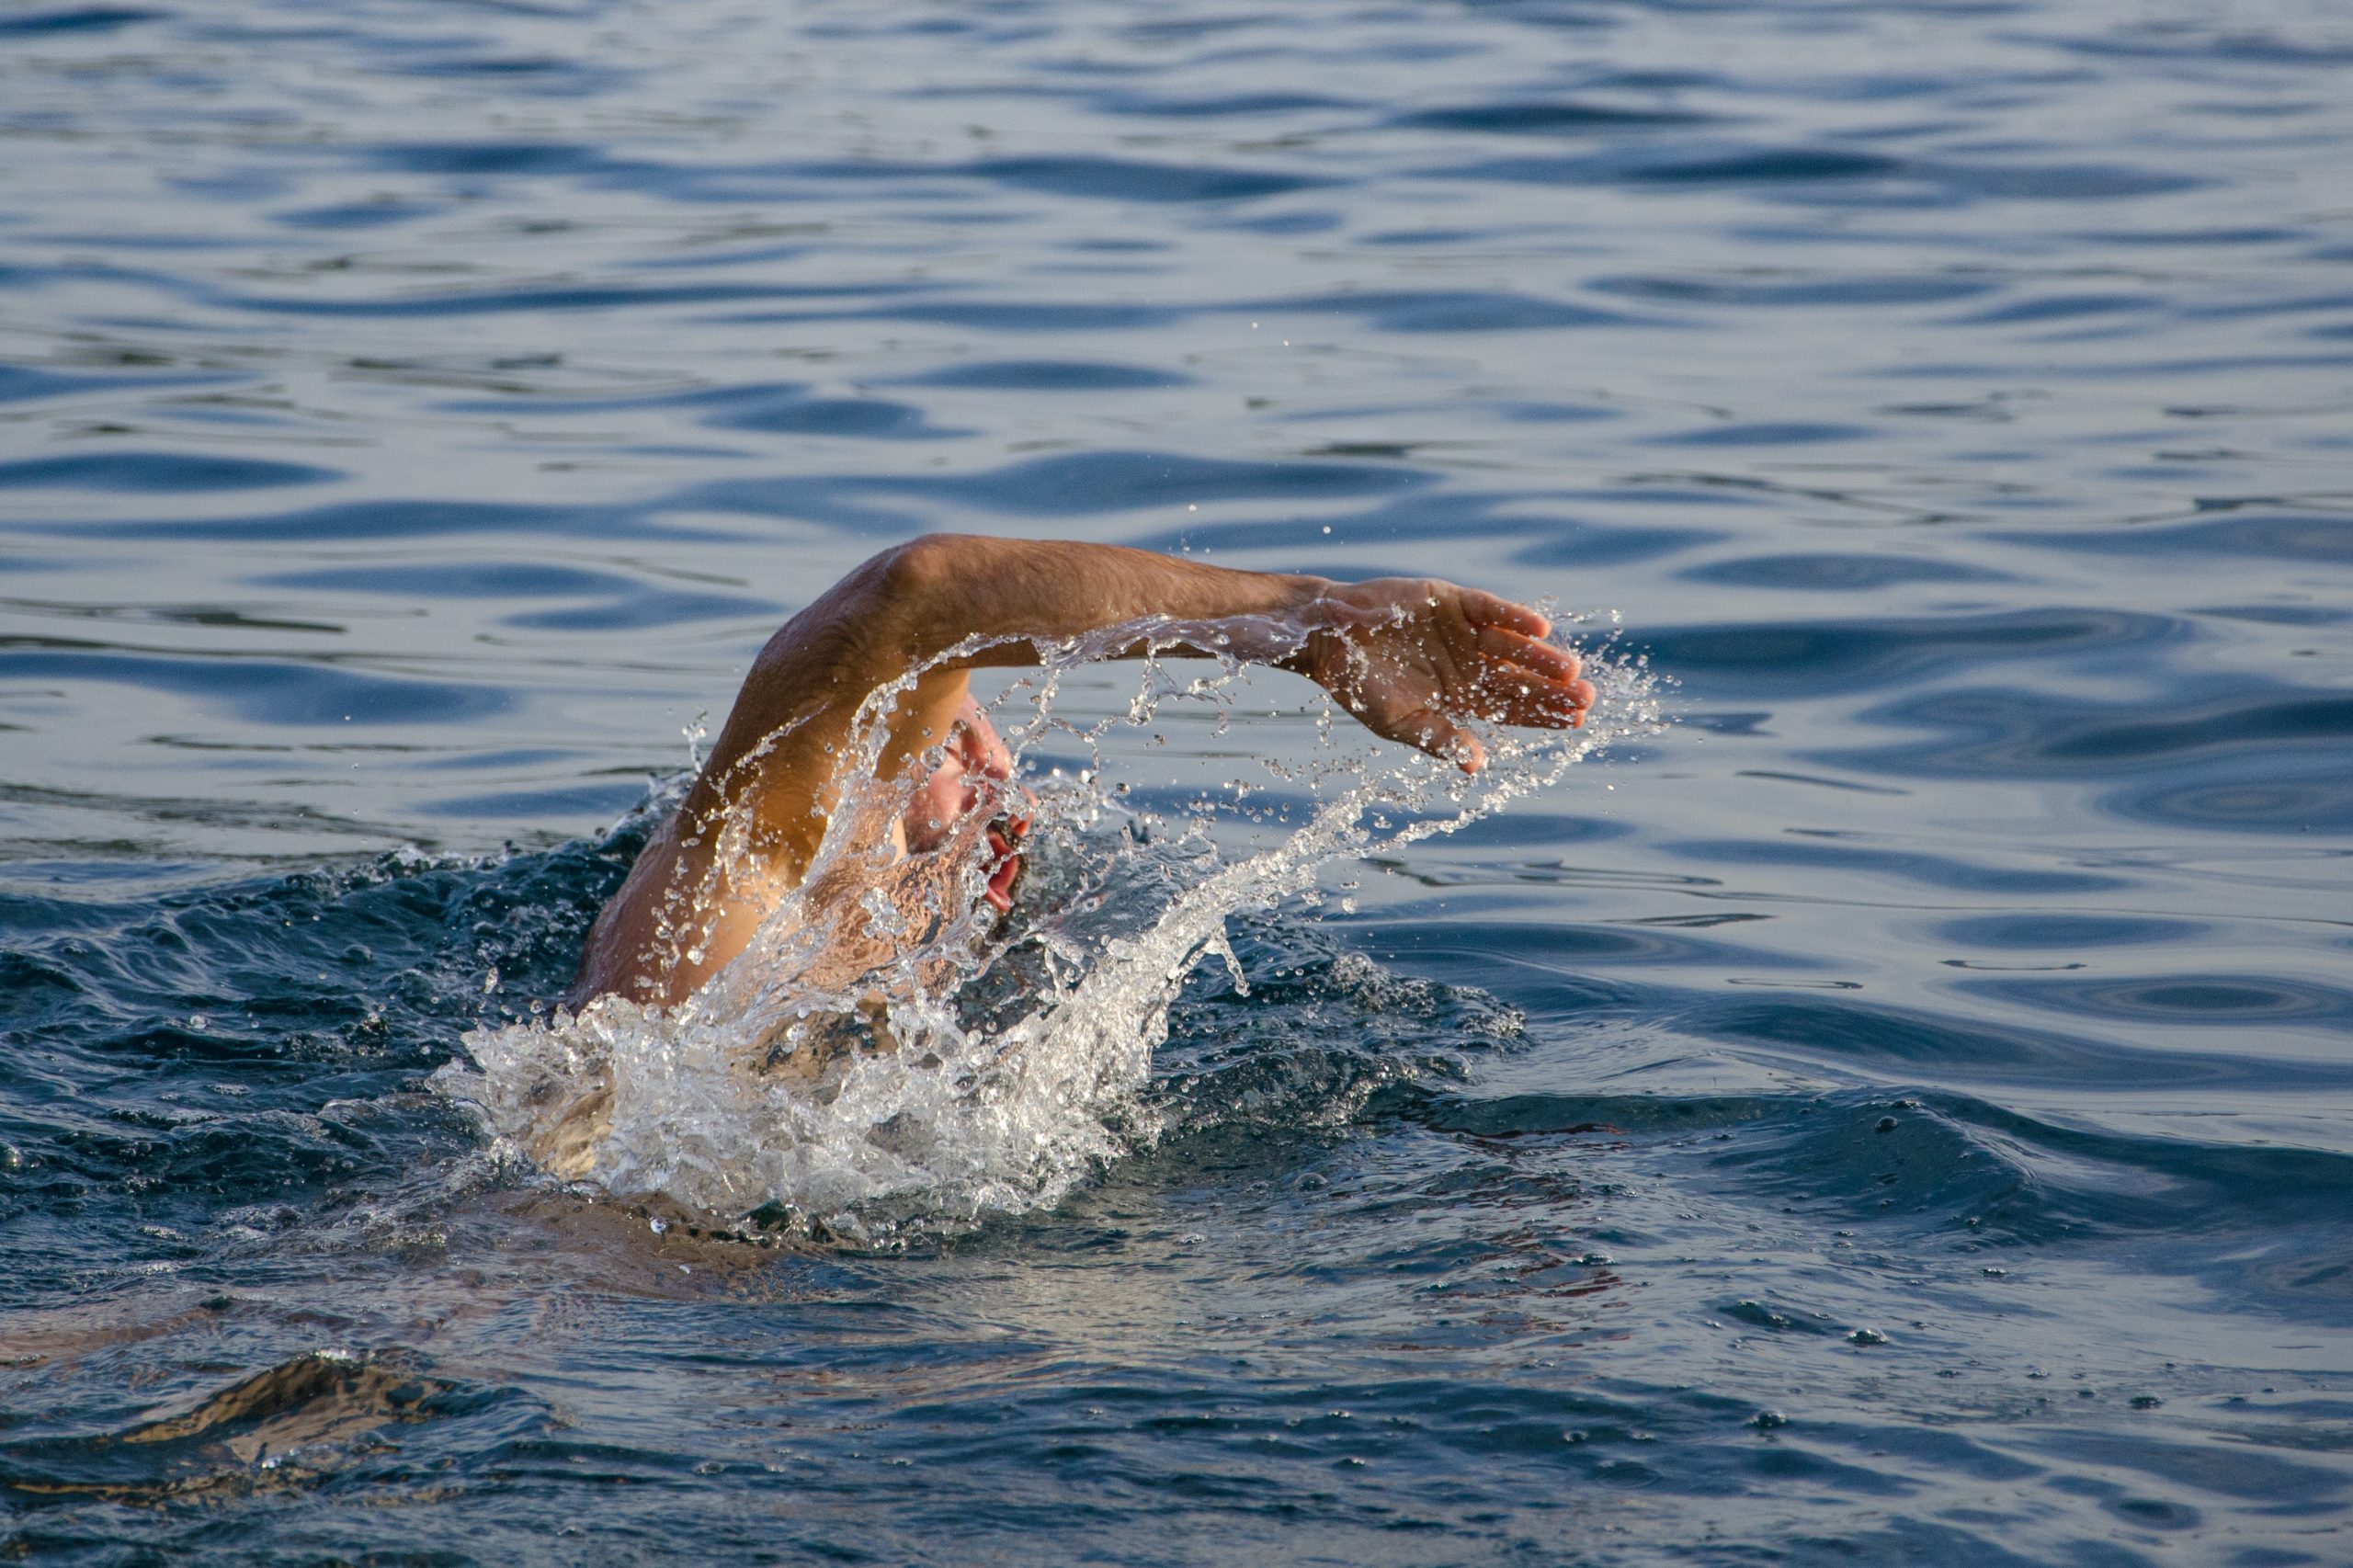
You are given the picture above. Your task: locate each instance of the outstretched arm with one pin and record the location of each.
(1409, 657)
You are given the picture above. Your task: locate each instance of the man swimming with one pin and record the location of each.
(1410, 658)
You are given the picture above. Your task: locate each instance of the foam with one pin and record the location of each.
(978, 1067)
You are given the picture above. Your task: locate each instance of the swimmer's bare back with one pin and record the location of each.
(1409, 657)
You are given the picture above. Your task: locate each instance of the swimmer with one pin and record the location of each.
(1410, 658)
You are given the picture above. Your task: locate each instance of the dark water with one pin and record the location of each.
(1902, 1114)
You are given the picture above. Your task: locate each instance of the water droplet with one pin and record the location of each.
(951, 1119)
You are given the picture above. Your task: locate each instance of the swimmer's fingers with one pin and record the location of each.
(1537, 705)
(1431, 730)
(1521, 681)
(1486, 611)
(1506, 645)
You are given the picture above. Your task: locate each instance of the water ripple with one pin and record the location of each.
(1897, 1114)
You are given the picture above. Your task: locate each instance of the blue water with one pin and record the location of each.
(1902, 1113)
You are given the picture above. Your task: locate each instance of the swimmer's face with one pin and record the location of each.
(975, 775)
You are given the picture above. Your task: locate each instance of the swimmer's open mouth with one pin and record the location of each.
(1005, 837)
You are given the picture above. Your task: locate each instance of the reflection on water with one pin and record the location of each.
(1898, 1114)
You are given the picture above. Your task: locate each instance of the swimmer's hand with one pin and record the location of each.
(1410, 657)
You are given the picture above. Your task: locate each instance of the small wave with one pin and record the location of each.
(290, 1425)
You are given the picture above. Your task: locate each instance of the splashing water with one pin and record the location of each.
(888, 1055)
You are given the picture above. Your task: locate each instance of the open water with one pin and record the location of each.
(1901, 1112)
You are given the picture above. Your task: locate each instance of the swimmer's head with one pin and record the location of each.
(975, 773)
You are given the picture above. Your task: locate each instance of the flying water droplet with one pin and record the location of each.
(888, 1056)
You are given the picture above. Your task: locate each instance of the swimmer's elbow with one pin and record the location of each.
(918, 572)
(931, 593)
(868, 628)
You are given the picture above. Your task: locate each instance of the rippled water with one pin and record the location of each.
(1900, 1114)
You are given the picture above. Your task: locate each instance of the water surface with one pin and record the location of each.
(1900, 1114)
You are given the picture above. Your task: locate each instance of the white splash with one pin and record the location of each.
(979, 1067)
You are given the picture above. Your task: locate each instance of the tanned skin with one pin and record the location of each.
(1409, 657)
